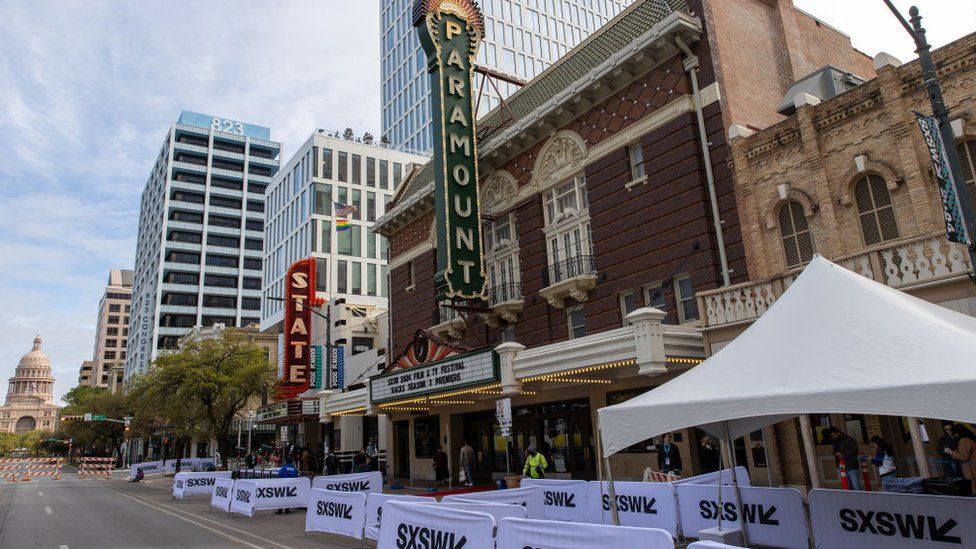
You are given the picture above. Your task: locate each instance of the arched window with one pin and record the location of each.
(25, 424)
(967, 159)
(795, 231)
(874, 208)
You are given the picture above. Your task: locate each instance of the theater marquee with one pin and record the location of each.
(457, 372)
(450, 33)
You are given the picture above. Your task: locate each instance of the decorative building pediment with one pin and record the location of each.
(421, 350)
(498, 192)
(810, 206)
(562, 156)
(863, 165)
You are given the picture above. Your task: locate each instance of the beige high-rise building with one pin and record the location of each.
(107, 366)
(30, 395)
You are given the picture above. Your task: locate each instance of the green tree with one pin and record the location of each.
(97, 437)
(201, 389)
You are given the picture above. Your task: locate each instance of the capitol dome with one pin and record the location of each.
(35, 359)
(32, 379)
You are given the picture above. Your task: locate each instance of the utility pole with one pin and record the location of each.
(941, 113)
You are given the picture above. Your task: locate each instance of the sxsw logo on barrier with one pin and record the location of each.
(334, 509)
(352, 486)
(560, 499)
(632, 504)
(422, 537)
(278, 492)
(908, 526)
(752, 513)
(191, 482)
(243, 495)
(220, 491)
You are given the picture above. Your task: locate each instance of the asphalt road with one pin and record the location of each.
(103, 514)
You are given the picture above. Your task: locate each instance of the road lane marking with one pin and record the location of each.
(62, 547)
(48, 511)
(204, 526)
(40, 493)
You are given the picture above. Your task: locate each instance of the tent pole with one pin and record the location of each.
(735, 484)
(614, 514)
(806, 433)
(923, 462)
(769, 465)
(599, 467)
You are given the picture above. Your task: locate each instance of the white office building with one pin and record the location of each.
(522, 38)
(201, 233)
(301, 221)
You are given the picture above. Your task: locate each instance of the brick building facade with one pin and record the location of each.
(850, 178)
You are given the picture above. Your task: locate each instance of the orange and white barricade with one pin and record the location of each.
(658, 476)
(42, 467)
(96, 467)
(10, 468)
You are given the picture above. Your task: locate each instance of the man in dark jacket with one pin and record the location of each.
(668, 456)
(949, 440)
(331, 464)
(845, 447)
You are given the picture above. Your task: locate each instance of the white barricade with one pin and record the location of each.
(772, 516)
(269, 493)
(563, 499)
(189, 464)
(710, 545)
(342, 513)
(894, 521)
(741, 474)
(147, 468)
(498, 511)
(374, 509)
(223, 491)
(641, 504)
(356, 482)
(407, 524)
(548, 534)
(191, 484)
(530, 497)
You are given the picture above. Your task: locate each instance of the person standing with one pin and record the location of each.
(467, 463)
(331, 463)
(709, 456)
(535, 464)
(965, 453)
(668, 456)
(287, 470)
(884, 459)
(846, 448)
(441, 473)
(950, 467)
(359, 462)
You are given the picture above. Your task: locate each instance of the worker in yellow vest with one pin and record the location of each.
(535, 464)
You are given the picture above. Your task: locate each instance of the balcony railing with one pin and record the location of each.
(581, 265)
(901, 265)
(503, 293)
(444, 313)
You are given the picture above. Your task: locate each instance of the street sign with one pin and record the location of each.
(88, 417)
(503, 411)
(98, 417)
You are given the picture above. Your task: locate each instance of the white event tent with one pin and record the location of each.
(834, 342)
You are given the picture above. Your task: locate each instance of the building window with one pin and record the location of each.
(875, 210)
(384, 175)
(342, 170)
(576, 322)
(357, 278)
(342, 277)
(111, 343)
(636, 154)
(370, 171)
(628, 304)
(370, 279)
(684, 294)
(324, 236)
(502, 259)
(795, 231)
(327, 163)
(654, 296)
(397, 174)
(110, 355)
(370, 206)
(967, 160)
(361, 344)
(568, 230)
(411, 275)
(357, 169)
(349, 241)
(321, 274)
(115, 308)
(113, 319)
(322, 199)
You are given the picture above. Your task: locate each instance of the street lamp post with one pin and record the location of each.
(941, 113)
(250, 428)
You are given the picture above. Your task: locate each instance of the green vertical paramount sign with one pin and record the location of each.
(450, 33)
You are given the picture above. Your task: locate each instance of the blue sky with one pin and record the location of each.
(88, 89)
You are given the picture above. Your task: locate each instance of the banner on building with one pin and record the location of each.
(843, 519)
(355, 482)
(223, 491)
(407, 524)
(374, 509)
(269, 493)
(192, 484)
(719, 477)
(317, 373)
(772, 516)
(532, 498)
(951, 205)
(640, 504)
(342, 513)
(457, 372)
(498, 511)
(547, 534)
(336, 368)
(147, 468)
(563, 499)
(451, 36)
(503, 412)
(298, 302)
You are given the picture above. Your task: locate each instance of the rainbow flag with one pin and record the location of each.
(342, 224)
